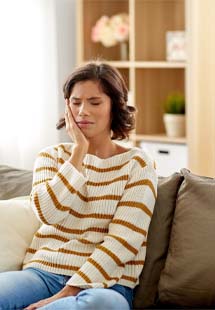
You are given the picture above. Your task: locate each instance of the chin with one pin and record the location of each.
(87, 134)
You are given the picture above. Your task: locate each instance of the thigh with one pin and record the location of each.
(91, 299)
(21, 288)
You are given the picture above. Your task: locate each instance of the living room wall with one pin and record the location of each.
(37, 54)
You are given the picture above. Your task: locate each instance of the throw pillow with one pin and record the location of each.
(189, 273)
(14, 182)
(157, 241)
(18, 225)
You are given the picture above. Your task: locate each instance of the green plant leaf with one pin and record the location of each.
(175, 103)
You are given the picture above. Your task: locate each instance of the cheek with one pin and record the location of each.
(105, 114)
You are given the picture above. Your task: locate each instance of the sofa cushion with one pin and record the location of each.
(14, 182)
(157, 241)
(18, 225)
(189, 273)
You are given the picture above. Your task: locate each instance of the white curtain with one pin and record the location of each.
(28, 80)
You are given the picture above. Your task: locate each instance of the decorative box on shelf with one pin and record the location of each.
(176, 46)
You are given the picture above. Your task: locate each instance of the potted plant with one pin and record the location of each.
(174, 115)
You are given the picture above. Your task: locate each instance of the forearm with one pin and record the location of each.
(69, 291)
(81, 143)
(77, 156)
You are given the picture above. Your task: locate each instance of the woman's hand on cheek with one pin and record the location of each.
(73, 130)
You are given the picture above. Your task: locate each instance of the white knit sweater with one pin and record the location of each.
(95, 222)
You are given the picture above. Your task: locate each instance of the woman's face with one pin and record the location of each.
(91, 109)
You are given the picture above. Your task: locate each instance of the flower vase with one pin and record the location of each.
(124, 51)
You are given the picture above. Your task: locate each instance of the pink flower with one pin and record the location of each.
(95, 34)
(121, 33)
(111, 30)
(98, 28)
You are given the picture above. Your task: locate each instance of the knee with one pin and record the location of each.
(87, 301)
(97, 299)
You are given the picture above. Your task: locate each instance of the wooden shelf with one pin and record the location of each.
(146, 64)
(148, 75)
(150, 78)
(158, 64)
(161, 138)
(117, 64)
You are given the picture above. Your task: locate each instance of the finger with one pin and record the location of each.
(31, 307)
(67, 120)
(69, 110)
(67, 101)
(70, 116)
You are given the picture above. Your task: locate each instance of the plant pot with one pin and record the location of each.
(174, 125)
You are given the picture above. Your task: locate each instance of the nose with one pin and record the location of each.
(83, 109)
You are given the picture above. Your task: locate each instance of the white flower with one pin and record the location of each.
(110, 31)
(107, 38)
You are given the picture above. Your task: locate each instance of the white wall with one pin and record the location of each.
(37, 53)
(66, 49)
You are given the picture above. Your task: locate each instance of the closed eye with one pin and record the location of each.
(95, 103)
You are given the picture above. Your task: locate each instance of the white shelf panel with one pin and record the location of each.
(147, 64)
(158, 138)
(158, 64)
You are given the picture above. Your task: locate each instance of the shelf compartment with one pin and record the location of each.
(152, 88)
(153, 18)
(96, 50)
(125, 74)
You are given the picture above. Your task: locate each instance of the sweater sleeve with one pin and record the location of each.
(127, 230)
(53, 188)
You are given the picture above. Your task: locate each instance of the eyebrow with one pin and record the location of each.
(90, 98)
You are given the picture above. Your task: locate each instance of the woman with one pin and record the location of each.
(94, 199)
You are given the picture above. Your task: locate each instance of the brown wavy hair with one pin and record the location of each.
(113, 85)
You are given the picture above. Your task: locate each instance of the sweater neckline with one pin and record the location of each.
(121, 155)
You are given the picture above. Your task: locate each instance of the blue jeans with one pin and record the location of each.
(18, 289)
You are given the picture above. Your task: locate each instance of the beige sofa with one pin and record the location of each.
(179, 268)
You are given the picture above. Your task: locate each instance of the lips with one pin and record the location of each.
(84, 122)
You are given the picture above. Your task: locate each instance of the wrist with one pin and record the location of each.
(77, 156)
(70, 290)
(80, 149)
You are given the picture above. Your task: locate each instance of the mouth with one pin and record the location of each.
(84, 123)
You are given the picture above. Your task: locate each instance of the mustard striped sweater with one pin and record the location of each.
(95, 223)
